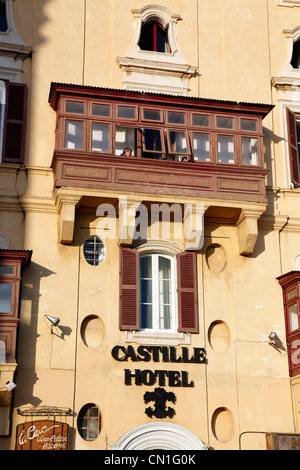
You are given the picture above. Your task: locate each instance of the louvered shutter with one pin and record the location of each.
(187, 292)
(129, 289)
(293, 149)
(14, 123)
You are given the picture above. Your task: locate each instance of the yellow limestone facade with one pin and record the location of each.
(231, 383)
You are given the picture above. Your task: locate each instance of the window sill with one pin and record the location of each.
(169, 339)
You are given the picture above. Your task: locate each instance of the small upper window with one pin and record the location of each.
(94, 250)
(3, 18)
(154, 37)
(295, 62)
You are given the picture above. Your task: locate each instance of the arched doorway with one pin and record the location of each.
(162, 436)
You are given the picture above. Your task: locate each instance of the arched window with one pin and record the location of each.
(154, 37)
(295, 62)
(3, 18)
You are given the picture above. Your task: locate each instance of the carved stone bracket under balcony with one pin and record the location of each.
(134, 210)
(247, 226)
(66, 205)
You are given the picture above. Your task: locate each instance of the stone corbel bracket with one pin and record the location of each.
(127, 215)
(247, 226)
(66, 206)
(194, 226)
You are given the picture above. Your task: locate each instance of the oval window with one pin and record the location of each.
(94, 250)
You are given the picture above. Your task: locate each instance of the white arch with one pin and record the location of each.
(159, 436)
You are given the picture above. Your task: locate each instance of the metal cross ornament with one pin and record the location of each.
(160, 397)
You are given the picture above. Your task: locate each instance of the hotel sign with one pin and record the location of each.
(158, 377)
(42, 435)
(166, 354)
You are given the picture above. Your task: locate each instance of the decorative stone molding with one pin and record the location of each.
(288, 77)
(156, 71)
(289, 3)
(165, 436)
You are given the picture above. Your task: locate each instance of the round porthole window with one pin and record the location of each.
(89, 422)
(94, 250)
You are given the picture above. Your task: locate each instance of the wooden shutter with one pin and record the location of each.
(187, 292)
(129, 289)
(14, 123)
(293, 148)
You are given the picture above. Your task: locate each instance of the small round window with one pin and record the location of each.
(94, 250)
(89, 422)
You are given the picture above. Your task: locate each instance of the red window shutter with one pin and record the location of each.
(293, 149)
(129, 289)
(14, 123)
(187, 292)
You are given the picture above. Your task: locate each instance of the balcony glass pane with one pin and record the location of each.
(5, 298)
(225, 122)
(100, 137)
(292, 294)
(225, 149)
(75, 107)
(125, 138)
(249, 151)
(100, 110)
(74, 135)
(175, 118)
(126, 112)
(248, 125)
(293, 315)
(201, 147)
(152, 114)
(6, 270)
(177, 142)
(199, 120)
(152, 140)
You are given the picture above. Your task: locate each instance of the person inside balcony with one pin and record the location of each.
(127, 152)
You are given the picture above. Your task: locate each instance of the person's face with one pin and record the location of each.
(128, 153)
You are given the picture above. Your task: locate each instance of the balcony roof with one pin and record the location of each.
(56, 89)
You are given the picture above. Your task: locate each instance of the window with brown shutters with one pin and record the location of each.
(293, 148)
(187, 292)
(14, 123)
(132, 298)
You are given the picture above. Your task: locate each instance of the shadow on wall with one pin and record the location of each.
(31, 313)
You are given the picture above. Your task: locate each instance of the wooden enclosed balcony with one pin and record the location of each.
(181, 147)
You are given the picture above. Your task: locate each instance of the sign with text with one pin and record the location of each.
(42, 435)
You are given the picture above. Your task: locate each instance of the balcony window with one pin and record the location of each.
(125, 137)
(177, 142)
(249, 151)
(225, 149)
(100, 137)
(74, 135)
(201, 145)
(152, 143)
(5, 297)
(165, 133)
(200, 120)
